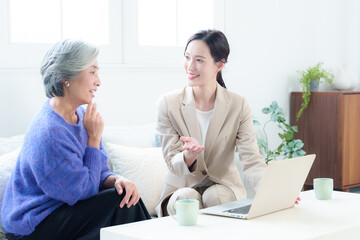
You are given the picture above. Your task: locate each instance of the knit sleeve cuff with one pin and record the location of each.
(103, 176)
(94, 158)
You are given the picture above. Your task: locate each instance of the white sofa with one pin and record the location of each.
(134, 152)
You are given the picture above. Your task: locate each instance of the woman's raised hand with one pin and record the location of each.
(192, 149)
(94, 125)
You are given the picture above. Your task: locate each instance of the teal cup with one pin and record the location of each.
(323, 188)
(186, 211)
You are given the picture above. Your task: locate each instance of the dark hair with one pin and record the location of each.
(219, 47)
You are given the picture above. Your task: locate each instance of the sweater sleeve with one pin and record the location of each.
(67, 174)
(105, 170)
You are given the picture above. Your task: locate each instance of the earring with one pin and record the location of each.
(67, 84)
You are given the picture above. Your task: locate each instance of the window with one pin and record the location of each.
(127, 31)
(31, 27)
(159, 30)
(181, 19)
(49, 21)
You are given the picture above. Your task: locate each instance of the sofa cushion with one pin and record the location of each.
(9, 144)
(143, 166)
(7, 163)
(132, 136)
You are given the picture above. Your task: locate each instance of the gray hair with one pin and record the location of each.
(63, 62)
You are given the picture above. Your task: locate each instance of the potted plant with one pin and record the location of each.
(289, 146)
(310, 80)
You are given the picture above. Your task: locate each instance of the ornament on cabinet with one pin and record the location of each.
(345, 80)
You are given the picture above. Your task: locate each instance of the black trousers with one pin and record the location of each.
(84, 219)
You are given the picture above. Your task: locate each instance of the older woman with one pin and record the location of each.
(56, 190)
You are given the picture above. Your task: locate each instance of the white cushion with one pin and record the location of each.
(9, 144)
(7, 163)
(143, 166)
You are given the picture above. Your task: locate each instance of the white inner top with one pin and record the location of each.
(204, 121)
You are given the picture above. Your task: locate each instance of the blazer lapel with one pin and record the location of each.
(221, 110)
(189, 113)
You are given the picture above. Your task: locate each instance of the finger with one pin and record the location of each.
(192, 148)
(137, 200)
(187, 146)
(185, 139)
(98, 117)
(84, 117)
(133, 199)
(118, 188)
(94, 110)
(200, 149)
(89, 109)
(126, 198)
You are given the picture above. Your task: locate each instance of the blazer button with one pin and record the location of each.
(204, 172)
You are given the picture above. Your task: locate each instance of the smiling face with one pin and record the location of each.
(201, 68)
(82, 89)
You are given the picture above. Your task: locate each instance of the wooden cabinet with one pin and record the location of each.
(330, 128)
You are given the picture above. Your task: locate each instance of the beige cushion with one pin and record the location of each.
(143, 166)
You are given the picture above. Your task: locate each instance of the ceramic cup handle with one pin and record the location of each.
(169, 208)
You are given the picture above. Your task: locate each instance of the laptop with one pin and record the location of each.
(278, 190)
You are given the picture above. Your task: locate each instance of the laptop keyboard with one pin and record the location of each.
(240, 210)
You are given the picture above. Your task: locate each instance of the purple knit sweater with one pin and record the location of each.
(55, 166)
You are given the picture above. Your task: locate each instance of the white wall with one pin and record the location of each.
(270, 40)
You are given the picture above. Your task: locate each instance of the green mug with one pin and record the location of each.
(323, 188)
(186, 211)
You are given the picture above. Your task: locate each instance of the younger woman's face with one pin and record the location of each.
(201, 68)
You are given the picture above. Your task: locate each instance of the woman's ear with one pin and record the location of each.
(221, 64)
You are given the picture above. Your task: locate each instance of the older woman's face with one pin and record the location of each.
(82, 89)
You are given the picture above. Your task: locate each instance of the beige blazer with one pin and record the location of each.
(230, 125)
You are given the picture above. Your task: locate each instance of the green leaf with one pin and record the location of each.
(256, 122)
(289, 136)
(299, 144)
(280, 147)
(291, 144)
(294, 128)
(265, 110)
(274, 105)
(286, 149)
(281, 119)
(274, 117)
(301, 152)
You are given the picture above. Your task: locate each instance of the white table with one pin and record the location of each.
(338, 218)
